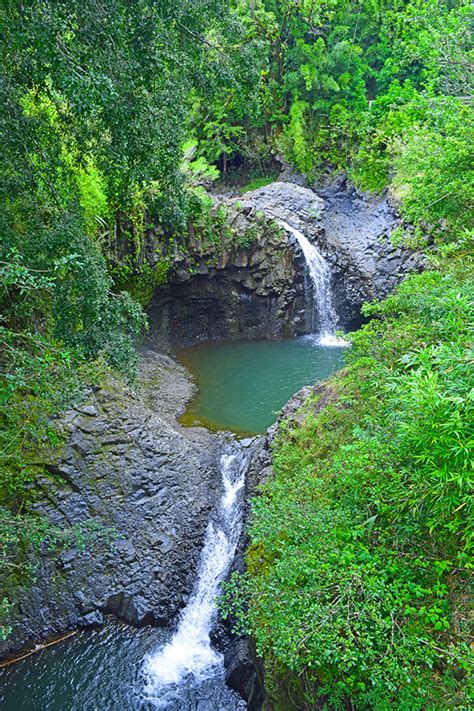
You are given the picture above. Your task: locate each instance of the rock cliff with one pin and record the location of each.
(129, 467)
(252, 284)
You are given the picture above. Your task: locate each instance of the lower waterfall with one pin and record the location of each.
(188, 660)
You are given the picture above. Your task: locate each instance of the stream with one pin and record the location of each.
(178, 673)
(120, 668)
(241, 387)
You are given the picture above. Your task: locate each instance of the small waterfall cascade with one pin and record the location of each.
(320, 275)
(188, 660)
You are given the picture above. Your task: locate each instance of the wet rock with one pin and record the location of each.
(259, 289)
(243, 673)
(92, 619)
(246, 287)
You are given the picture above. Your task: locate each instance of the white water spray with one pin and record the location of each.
(188, 658)
(321, 280)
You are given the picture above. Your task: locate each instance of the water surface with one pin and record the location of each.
(94, 670)
(103, 670)
(243, 384)
(125, 669)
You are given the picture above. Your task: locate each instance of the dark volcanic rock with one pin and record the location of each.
(252, 283)
(130, 468)
(245, 287)
(353, 233)
(244, 674)
(365, 264)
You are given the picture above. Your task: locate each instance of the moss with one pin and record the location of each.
(141, 283)
(257, 183)
(251, 235)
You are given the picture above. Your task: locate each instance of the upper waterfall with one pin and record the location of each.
(322, 295)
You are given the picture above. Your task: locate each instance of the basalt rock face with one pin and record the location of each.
(130, 468)
(352, 232)
(252, 283)
(365, 264)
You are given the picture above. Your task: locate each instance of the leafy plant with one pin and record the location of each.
(361, 544)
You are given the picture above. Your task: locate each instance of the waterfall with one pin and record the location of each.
(320, 275)
(188, 659)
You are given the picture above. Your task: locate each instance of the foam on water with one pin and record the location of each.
(326, 340)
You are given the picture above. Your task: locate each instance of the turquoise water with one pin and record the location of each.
(243, 384)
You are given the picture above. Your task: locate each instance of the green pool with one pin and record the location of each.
(243, 384)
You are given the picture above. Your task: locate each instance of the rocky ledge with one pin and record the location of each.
(352, 231)
(148, 484)
(244, 282)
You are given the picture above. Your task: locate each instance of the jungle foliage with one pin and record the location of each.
(359, 569)
(93, 101)
(360, 557)
(113, 116)
(340, 84)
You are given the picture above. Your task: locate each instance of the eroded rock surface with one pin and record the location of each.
(248, 285)
(129, 467)
(365, 263)
(352, 232)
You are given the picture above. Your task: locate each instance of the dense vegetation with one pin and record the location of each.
(93, 99)
(359, 567)
(112, 116)
(361, 543)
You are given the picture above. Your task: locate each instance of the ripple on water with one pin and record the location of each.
(102, 670)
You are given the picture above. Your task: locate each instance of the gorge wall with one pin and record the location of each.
(149, 486)
(251, 283)
(129, 466)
